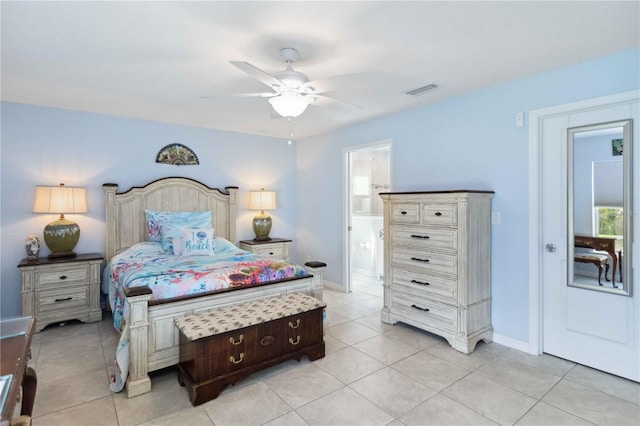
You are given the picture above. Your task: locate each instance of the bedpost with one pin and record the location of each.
(317, 282)
(233, 209)
(111, 233)
(138, 381)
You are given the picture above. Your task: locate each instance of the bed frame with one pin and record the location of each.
(154, 339)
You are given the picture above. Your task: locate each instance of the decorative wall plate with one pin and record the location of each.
(177, 154)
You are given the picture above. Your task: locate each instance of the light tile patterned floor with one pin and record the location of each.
(373, 374)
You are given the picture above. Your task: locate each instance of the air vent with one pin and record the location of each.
(422, 90)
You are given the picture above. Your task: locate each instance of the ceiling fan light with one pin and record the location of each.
(289, 104)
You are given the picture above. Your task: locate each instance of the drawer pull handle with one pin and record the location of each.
(438, 214)
(403, 212)
(420, 282)
(419, 308)
(296, 342)
(417, 259)
(270, 253)
(233, 359)
(235, 343)
(267, 340)
(297, 324)
(63, 300)
(63, 277)
(420, 237)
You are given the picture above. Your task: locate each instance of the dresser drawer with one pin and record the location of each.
(424, 311)
(440, 214)
(425, 237)
(424, 260)
(405, 213)
(56, 276)
(424, 285)
(62, 299)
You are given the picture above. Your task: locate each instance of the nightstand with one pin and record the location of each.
(61, 289)
(275, 247)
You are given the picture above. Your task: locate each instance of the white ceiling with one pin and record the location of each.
(154, 60)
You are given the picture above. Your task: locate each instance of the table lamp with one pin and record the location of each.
(62, 235)
(262, 200)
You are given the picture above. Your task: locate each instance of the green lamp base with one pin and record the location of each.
(262, 226)
(61, 236)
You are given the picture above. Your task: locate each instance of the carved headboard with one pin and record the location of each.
(125, 218)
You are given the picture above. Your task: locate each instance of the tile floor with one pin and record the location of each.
(373, 374)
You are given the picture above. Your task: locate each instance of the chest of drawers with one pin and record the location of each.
(438, 264)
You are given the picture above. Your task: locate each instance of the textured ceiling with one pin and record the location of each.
(155, 60)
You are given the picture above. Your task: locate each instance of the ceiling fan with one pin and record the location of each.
(292, 90)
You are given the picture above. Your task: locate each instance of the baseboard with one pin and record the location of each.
(333, 286)
(512, 343)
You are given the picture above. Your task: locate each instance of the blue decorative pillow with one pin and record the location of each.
(195, 242)
(163, 226)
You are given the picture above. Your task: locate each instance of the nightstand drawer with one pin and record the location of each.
(278, 248)
(61, 275)
(62, 299)
(277, 251)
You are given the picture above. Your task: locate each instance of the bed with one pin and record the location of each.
(153, 339)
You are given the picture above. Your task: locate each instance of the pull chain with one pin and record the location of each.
(290, 132)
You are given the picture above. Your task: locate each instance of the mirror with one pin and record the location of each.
(599, 207)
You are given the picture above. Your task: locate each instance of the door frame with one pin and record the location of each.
(346, 193)
(536, 243)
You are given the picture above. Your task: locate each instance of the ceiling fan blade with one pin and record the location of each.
(336, 82)
(258, 74)
(333, 102)
(242, 95)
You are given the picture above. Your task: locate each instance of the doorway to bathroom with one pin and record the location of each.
(369, 174)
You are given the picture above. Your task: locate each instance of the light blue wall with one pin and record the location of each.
(46, 146)
(469, 142)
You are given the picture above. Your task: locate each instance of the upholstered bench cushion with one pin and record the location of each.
(221, 320)
(591, 257)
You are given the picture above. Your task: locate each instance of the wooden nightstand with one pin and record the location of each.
(275, 247)
(61, 289)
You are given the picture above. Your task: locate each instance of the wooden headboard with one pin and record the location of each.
(125, 216)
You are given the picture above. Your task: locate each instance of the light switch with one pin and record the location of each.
(495, 218)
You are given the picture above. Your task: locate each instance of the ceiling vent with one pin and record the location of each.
(422, 90)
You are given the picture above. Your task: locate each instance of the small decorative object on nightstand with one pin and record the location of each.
(61, 289)
(32, 244)
(275, 247)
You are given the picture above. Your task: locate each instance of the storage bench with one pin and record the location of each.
(222, 346)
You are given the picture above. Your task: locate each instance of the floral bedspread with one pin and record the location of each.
(170, 276)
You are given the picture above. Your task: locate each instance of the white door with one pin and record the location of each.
(594, 328)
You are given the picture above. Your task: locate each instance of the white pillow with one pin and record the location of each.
(195, 242)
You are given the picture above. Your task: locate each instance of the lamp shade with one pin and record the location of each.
(60, 199)
(262, 200)
(290, 103)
